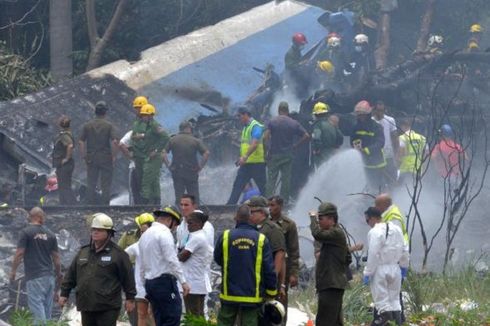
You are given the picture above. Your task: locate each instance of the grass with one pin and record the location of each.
(457, 298)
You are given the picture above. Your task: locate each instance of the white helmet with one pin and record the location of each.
(102, 221)
(435, 39)
(273, 312)
(333, 42)
(361, 38)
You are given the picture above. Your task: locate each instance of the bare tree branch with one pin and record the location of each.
(96, 52)
(19, 21)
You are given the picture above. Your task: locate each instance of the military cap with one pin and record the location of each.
(257, 201)
(327, 209)
(101, 105)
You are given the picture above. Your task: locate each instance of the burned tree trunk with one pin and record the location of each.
(382, 50)
(99, 45)
(60, 40)
(425, 26)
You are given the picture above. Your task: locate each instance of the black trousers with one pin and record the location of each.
(64, 175)
(99, 168)
(164, 297)
(246, 172)
(100, 318)
(185, 183)
(330, 307)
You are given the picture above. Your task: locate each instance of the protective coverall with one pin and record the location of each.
(386, 254)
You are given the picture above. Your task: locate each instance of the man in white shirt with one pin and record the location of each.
(187, 206)
(391, 140)
(196, 258)
(161, 269)
(134, 182)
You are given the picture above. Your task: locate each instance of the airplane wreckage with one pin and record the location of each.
(28, 124)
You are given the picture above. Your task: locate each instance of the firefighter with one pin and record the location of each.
(326, 137)
(149, 140)
(239, 251)
(368, 138)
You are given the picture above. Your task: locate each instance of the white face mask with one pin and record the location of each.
(301, 47)
(358, 48)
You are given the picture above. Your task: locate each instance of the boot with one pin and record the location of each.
(397, 317)
(383, 318)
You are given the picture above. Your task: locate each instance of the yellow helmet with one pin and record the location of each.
(473, 45)
(320, 108)
(170, 211)
(476, 28)
(144, 218)
(147, 109)
(139, 101)
(326, 66)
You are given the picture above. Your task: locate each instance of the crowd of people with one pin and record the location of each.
(163, 265)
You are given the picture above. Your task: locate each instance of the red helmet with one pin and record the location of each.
(299, 39)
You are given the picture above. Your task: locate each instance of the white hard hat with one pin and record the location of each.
(361, 38)
(435, 39)
(102, 221)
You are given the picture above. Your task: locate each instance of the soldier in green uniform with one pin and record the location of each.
(260, 218)
(63, 161)
(331, 278)
(185, 167)
(290, 231)
(98, 144)
(326, 137)
(149, 140)
(98, 272)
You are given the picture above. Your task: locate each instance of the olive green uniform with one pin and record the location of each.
(325, 139)
(98, 279)
(274, 234)
(128, 238)
(98, 134)
(331, 278)
(64, 171)
(292, 57)
(147, 157)
(290, 232)
(185, 167)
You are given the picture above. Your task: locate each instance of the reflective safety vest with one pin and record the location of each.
(258, 155)
(414, 150)
(393, 214)
(243, 256)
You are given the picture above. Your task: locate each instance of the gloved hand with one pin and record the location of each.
(365, 280)
(404, 271)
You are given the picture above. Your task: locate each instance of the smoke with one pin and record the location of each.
(284, 94)
(341, 180)
(334, 181)
(202, 94)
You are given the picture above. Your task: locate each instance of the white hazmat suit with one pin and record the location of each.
(387, 252)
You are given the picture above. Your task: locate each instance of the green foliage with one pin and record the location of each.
(17, 78)
(23, 317)
(191, 320)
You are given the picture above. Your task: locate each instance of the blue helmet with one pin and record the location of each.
(446, 130)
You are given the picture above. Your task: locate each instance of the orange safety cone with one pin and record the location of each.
(310, 323)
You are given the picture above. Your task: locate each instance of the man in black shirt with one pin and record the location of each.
(38, 248)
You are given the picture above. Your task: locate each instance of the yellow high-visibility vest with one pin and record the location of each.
(258, 155)
(393, 213)
(414, 147)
